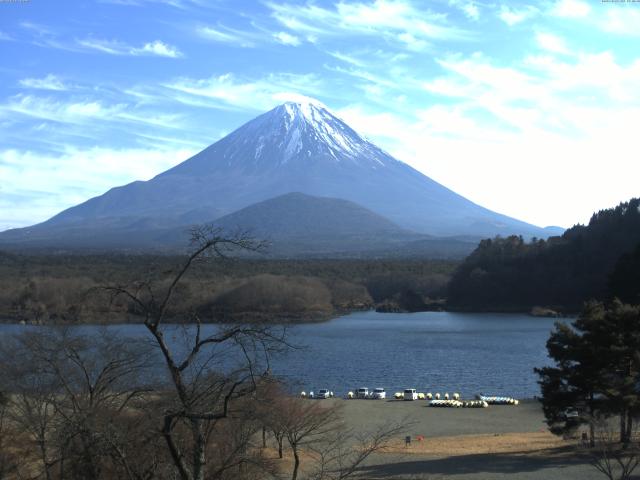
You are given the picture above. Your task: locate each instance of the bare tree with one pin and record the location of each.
(305, 423)
(72, 395)
(614, 460)
(8, 464)
(32, 400)
(343, 452)
(204, 384)
(315, 431)
(271, 413)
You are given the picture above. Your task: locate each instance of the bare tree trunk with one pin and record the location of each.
(199, 450)
(592, 440)
(279, 436)
(296, 462)
(89, 458)
(43, 455)
(173, 450)
(62, 464)
(264, 437)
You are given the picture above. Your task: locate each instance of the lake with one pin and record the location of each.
(442, 352)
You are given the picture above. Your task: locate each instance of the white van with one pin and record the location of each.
(379, 394)
(362, 392)
(410, 394)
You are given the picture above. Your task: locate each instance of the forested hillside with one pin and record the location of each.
(64, 289)
(586, 262)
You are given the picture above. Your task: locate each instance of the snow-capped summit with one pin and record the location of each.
(295, 134)
(299, 146)
(311, 124)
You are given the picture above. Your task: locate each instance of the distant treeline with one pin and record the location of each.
(597, 261)
(66, 288)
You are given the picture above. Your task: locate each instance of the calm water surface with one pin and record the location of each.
(431, 351)
(467, 353)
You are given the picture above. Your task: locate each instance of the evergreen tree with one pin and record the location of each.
(560, 273)
(597, 368)
(624, 282)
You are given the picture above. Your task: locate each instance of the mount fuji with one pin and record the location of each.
(296, 147)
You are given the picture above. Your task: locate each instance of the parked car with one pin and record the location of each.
(410, 394)
(379, 393)
(362, 392)
(570, 414)
(324, 393)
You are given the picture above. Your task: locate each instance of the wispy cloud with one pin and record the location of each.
(4, 36)
(158, 48)
(348, 58)
(381, 88)
(545, 92)
(45, 36)
(529, 118)
(227, 91)
(398, 21)
(115, 47)
(37, 28)
(371, 59)
(468, 7)
(612, 18)
(513, 16)
(44, 184)
(287, 39)
(180, 4)
(552, 43)
(50, 82)
(61, 111)
(622, 21)
(231, 36)
(89, 115)
(111, 47)
(571, 9)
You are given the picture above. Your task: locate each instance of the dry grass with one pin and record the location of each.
(525, 443)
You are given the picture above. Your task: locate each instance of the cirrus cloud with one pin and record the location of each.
(115, 47)
(50, 82)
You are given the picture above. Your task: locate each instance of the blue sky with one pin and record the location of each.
(530, 109)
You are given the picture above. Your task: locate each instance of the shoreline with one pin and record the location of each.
(290, 319)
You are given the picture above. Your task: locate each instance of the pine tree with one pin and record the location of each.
(624, 282)
(597, 368)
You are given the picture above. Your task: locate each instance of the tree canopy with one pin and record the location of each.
(561, 272)
(597, 368)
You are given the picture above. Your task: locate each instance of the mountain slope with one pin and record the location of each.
(295, 147)
(299, 215)
(296, 224)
